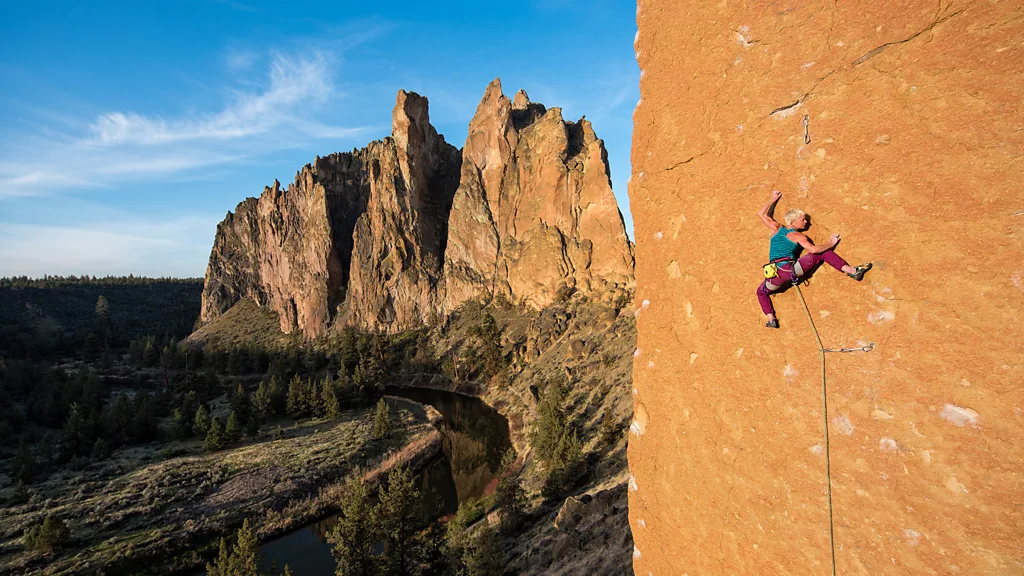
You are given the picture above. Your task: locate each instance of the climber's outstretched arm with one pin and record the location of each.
(767, 212)
(812, 248)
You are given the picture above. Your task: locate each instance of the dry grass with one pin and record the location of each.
(129, 512)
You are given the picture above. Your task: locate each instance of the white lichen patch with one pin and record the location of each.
(879, 316)
(790, 372)
(650, 364)
(888, 445)
(843, 424)
(632, 484)
(817, 449)
(636, 353)
(954, 485)
(913, 537)
(641, 523)
(878, 414)
(658, 235)
(958, 415)
(636, 553)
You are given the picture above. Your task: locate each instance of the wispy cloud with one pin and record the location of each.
(121, 146)
(294, 84)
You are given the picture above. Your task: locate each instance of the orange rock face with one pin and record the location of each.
(913, 149)
(534, 211)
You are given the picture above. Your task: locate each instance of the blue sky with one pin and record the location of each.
(129, 129)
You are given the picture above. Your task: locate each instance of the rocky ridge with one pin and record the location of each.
(395, 235)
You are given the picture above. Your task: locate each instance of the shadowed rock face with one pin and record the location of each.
(534, 211)
(398, 252)
(361, 229)
(394, 235)
(913, 150)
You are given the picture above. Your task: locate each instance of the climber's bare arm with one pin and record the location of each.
(767, 212)
(808, 245)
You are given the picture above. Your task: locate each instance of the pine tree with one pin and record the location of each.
(214, 436)
(381, 420)
(181, 428)
(329, 401)
(484, 556)
(76, 440)
(353, 538)
(261, 400)
(399, 518)
(233, 430)
(245, 558)
(222, 566)
(550, 425)
(201, 422)
(295, 397)
(509, 494)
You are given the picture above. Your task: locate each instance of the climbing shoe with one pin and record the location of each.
(859, 271)
(772, 323)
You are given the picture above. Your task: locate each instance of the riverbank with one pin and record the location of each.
(144, 511)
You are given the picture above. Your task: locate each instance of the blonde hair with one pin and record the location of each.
(792, 216)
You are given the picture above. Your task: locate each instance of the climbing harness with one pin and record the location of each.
(771, 269)
(824, 410)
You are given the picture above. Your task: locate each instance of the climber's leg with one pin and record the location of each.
(765, 301)
(809, 261)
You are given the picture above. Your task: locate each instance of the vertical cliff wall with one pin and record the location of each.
(534, 212)
(913, 149)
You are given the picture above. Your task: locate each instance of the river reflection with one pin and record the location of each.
(475, 438)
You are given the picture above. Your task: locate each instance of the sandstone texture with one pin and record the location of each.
(395, 235)
(913, 149)
(534, 212)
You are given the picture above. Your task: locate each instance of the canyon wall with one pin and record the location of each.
(901, 126)
(395, 235)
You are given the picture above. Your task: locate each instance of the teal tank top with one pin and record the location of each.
(782, 247)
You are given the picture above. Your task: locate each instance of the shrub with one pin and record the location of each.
(49, 536)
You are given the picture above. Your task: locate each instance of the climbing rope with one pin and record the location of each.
(824, 411)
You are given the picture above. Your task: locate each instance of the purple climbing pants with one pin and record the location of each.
(804, 265)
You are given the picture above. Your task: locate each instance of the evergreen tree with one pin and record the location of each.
(329, 401)
(295, 397)
(214, 436)
(222, 566)
(509, 495)
(25, 464)
(245, 557)
(21, 494)
(201, 421)
(381, 420)
(76, 440)
(550, 425)
(233, 430)
(100, 449)
(353, 538)
(399, 518)
(261, 400)
(181, 428)
(484, 556)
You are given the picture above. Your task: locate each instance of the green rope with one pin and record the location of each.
(824, 409)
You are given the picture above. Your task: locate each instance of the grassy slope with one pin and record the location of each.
(129, 508)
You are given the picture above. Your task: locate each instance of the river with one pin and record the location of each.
(475, 438)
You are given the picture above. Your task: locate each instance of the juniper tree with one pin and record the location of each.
(381, 420)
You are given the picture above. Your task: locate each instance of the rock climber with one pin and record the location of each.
(785, 266)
